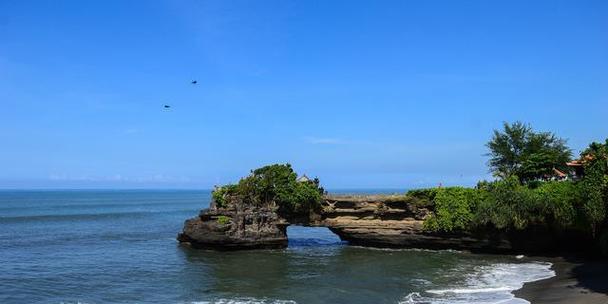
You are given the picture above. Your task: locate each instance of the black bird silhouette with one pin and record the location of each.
(167, 106)
(194, 82)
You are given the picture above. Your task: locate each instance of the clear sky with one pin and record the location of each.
(362, 94)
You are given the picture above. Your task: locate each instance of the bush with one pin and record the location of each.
(514, 202)
(221, 194)
(272, 186)
(560, 200)
(594, 185)
(508, 204)
(453, 209)
(223, 220)
(505, 204)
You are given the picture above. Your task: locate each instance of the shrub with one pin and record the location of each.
(223, 220)
(594, 186)
(221, 194)
(273, 186)
(505, 204)
(560, 201)
(453, 209)
(508, 204)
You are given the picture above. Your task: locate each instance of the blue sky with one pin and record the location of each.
(362, 94)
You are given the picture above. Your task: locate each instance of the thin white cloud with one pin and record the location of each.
(326, 141)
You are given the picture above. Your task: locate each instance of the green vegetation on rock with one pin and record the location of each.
(272, 186)
(530, 191)
(454, 208)
(223, 220)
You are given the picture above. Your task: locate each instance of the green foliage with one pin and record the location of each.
(273, 185)
(519, 151)
(594, 185)
(522, 197)
(453, 209)
(223, 220)
(560, 202)
(221, 194)
(509, 204)
(504, 204)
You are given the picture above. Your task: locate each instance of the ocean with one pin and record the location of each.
(118, 246)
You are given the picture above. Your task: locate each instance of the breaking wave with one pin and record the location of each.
(489, 284)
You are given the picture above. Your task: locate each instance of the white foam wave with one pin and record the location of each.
(406, 249)
(487, 284)
(469, 290)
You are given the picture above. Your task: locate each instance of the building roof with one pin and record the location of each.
(581, 161)
(574, 163)
(559, 173)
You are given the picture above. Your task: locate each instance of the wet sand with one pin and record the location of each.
(576, 281)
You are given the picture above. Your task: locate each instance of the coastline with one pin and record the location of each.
(575, 282)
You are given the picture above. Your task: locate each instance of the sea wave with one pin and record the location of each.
(488, 284)
(407, 249)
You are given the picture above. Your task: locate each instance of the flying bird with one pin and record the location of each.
(194, 82)
(167, 106)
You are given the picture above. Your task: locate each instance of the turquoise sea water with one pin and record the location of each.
(119, 247)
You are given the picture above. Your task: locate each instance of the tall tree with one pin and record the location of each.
(519, 151)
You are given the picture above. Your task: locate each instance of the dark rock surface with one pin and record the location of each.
(231, 229)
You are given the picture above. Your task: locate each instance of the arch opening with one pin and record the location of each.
(307, 236)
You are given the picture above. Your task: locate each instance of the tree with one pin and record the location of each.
(519, 151)
(272, 186)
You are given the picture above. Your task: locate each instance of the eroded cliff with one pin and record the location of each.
(239, 227)
(394, 221)
(367, 220)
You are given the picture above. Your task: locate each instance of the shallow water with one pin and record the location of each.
(119, 247)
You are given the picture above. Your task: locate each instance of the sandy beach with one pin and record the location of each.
(576, 281)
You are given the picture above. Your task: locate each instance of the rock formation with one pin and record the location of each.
(368, 220)
(243, 227)
(392, 221)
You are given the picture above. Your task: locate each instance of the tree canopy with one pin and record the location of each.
(595, 186)
(274, 186)
(518, 150)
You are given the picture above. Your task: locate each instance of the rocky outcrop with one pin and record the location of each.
(393, 221)
(235, 228)
(369, 220)
(396, 221)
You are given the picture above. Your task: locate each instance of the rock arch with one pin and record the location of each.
(369, 220)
